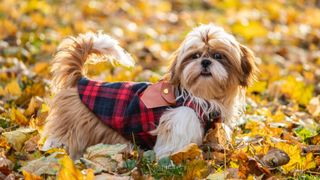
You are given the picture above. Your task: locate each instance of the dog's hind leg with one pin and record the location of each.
(72, 125)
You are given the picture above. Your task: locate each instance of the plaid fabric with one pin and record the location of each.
(119, 106)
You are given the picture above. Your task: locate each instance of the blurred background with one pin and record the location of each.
(284, 34)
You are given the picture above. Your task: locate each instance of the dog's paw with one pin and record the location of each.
(51, 143)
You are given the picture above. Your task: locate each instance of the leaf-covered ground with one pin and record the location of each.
(277, 138)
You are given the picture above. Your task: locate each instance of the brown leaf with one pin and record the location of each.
(189, 152)
(315, 139)
(218, 157)
(6, 165)
(275, 158)
(257, 169)
(34, 105)
(311, 148)
(31, 145)
(216, 139)
(317, 160)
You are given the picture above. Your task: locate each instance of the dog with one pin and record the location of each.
(205, 83)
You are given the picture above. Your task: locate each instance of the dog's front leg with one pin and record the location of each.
(177, 128)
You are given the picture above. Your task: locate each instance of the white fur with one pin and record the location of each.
(204, 106)
(219, 71)
(178, 127)
(105, 44)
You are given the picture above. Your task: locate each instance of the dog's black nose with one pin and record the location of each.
(205, 63)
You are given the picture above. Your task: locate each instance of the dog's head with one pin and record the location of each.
(211, 64)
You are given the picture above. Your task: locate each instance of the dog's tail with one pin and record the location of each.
(73, 52)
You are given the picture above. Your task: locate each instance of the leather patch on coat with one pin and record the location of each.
(158, 95)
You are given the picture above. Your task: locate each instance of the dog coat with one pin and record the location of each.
(127, 108)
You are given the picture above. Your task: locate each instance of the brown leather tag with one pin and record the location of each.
(158, 95)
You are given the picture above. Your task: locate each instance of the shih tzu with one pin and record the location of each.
(205, 83)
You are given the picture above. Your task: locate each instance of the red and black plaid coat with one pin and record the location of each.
(119, 106)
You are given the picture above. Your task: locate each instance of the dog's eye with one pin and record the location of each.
(217, 56)
(195, 56)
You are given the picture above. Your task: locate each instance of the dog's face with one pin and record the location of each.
(211, 64)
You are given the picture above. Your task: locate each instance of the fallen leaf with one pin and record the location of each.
(196, 169)
(315, 139)
(275, 158)
(149, 156)
(68, 170)
(13, 89)
(41, 68)
(218, 175)
(6, 166)
(189, 152)
(103, 150)
(34, 105)
(305, 133)
(101, 157)
(104, 176)
(314, 106)
(99, 164)
(46, 165)
(30, 176)
(17, 137)
(31, 145)
(216, 138)
(18, 117)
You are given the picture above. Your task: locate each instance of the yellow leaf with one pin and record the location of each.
(308, 162)
(4, 143)
(196, 169)
(297, 90)
(293, 152)
(69, 171)
(13, 88)
(249, 30)
(18, 117)
(234, 164)
(164, 6)
(2, 91)
(259, 86)
(90, 174)
(30, 176)
(41, 68)
(33, 106)
(44, 108)
(190, 151)
(7, 28)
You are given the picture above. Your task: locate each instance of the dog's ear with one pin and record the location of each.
(248, 66)
(172, 76)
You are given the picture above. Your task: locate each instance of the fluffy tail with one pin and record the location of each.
(73, 52)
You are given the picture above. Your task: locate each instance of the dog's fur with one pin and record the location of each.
(218, 87)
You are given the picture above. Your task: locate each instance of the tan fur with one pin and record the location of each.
(67, 65)
(72, 125)
(238, 63)
(75, 126)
